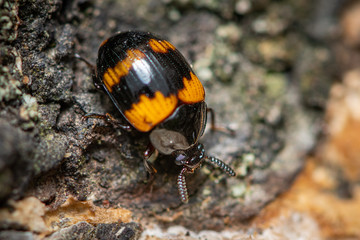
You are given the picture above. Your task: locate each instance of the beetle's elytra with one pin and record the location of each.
(154, 88)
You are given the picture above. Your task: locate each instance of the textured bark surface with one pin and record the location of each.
(266, 69)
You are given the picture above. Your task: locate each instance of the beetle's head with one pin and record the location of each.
(191, 158)
(173, 143)
(188, 156)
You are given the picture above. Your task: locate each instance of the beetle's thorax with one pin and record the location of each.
(167, 141)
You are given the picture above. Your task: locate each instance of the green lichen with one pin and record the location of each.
(206, 191)
(247, 161)
(29, 111)
(238, 190)
(9, 21)
(275, 85)
(30, 107)
(9, 88)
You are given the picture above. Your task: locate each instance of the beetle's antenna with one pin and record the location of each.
(182, 186)
(223, 166)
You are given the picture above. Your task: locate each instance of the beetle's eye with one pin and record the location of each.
(180, 158)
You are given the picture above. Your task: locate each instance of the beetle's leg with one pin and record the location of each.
(223, 166)
(149, 167)
(108, 118)
(92, 68)
(212, 118)
(218, 128)
(181, 182)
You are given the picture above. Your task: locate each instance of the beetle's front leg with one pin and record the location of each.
(147, 154)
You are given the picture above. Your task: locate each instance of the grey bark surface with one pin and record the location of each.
(264, 76)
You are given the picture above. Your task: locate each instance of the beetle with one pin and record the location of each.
(157, 92)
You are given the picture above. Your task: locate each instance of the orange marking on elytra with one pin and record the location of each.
(193, 90)
(160, 46)
(150, 111)
(169, 45)
(113, 75)
(104, 42)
